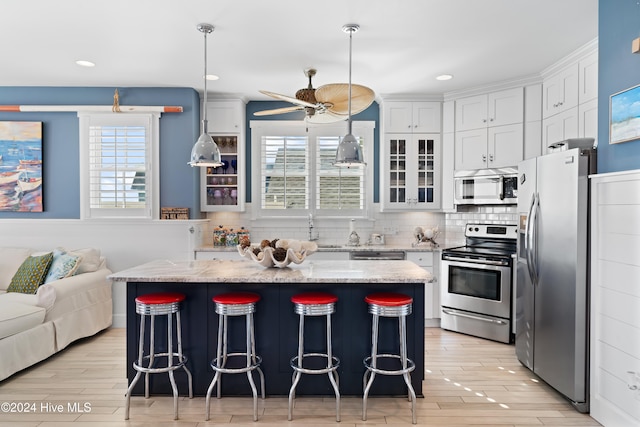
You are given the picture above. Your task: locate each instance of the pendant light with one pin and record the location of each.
(349, 152)
(205, 152)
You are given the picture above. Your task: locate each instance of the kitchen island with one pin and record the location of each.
(275, 322)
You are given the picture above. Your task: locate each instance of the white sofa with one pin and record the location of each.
(34, 327)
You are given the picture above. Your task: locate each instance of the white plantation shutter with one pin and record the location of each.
(285, 172)
(337, 188)
(297, 172)
(119, 153)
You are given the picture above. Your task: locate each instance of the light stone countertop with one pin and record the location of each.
(423, 247)
(245, 271)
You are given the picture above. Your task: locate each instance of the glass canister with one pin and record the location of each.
(232, 238)
(219, 236)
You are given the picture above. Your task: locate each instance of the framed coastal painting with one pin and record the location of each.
(21, 166)
(624, 119)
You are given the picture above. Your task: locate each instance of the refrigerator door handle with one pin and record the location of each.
(527, 239)
(533, 236)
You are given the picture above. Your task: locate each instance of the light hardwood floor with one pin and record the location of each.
(468, 382)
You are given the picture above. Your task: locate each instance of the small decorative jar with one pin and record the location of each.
(232, 238)
(220, 236)
(243, 233)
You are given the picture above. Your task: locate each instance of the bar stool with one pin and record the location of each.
(388, 304)
(159, 304)
(236, 304)
(314, 304)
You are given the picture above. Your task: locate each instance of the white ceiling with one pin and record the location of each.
(401, 47)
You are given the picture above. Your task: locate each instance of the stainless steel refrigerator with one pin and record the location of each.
(552, 284)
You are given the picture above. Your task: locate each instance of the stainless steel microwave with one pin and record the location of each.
(486, 187)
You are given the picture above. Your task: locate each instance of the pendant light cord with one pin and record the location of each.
(204, 100)
(350, 53)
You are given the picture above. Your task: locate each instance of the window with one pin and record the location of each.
(118, 156)
(297, 172)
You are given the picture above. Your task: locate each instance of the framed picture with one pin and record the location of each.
(21, 166)
(624, 116)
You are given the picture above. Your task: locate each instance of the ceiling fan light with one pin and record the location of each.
(349, 153)
(205, 152)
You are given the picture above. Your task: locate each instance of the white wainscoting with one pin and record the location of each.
(615, 298)
(124, 243)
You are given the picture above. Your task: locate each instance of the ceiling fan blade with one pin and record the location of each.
(338, 95)
(278, 111)
(288, 99)
(325, 117)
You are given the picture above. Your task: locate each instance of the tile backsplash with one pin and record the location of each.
(397, 227)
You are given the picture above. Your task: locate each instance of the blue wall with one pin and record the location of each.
(370, 114)
(179, 183)
(619, 69)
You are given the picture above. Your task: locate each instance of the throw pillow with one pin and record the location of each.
(31, 274)
(63, 265)
(90, 259)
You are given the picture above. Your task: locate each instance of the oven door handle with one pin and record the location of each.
(474, 261)
(471, 316)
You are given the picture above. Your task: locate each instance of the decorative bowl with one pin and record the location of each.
(267, 259)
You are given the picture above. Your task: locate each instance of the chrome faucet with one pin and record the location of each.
(311, 235)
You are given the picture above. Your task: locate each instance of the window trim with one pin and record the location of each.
(151, 121)
(260, 128)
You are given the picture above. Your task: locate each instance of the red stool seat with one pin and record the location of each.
(388, 299)
(160, 298)
(311, 298)
(236, 298)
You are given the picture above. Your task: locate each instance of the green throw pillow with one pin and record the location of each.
(31, 274)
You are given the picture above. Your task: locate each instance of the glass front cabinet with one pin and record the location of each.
(223, 188)
(411, 172)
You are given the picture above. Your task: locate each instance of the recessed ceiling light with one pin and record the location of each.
(84, 63)
(444, 77)
(212, 77)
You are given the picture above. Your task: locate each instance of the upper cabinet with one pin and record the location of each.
(568, 106)
(412, 116)
(411, 155)
(495, 147)
(500, 108)
(223, 188)
(411, 171)
(560, 91)
(489, 130)
(226, 116)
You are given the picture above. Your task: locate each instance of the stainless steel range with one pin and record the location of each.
(477, 282)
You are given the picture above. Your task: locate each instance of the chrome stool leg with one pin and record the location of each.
(314, 304)
(152, 305)
(235, 304)
(389, 305)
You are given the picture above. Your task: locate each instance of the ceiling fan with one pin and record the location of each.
(326, 104)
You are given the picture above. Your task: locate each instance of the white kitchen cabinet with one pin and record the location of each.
(412, 116)
(431, 290)
(225, 116)
(494, 147)
(588, 120)
(411, 171)
(588, 78)
(500, 108)
(560, 91)
(559, 127)
(223, 188)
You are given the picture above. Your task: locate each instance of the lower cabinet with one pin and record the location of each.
(431, 290)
